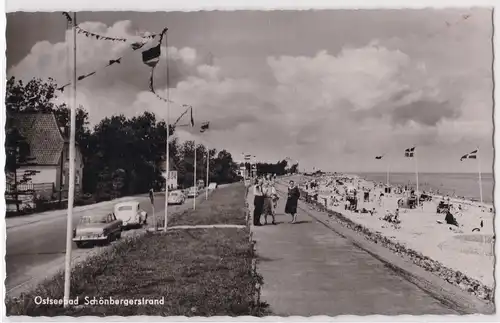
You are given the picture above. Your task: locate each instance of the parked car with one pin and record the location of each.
(97, 228)
(131, 214)
(176, 197)
(192, 192)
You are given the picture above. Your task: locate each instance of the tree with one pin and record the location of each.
(34, 96)
(225, 168)
(294, 169)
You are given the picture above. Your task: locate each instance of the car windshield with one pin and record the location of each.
(174, 193)
(125, 208)
(94, 219)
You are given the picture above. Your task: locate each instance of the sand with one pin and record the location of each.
(457, 248)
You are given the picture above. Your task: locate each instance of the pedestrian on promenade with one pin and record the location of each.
(267, 191)
(258, 201)
(292, 200)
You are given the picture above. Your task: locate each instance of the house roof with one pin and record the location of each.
(42, 134)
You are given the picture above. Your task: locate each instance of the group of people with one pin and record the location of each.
(266, 200)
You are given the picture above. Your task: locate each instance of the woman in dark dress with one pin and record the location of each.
(258, 201)
(292, 200)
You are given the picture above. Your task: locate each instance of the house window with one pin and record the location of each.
(77, 178)
(63, 179)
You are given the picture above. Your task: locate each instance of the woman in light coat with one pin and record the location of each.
(267, 190)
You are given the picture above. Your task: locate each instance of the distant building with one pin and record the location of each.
(48, 148)
(172, 180)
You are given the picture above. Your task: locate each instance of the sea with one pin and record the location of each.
(453, 184)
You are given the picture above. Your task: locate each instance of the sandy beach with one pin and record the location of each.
(467, 248)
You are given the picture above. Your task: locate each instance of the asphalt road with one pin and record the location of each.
(36, 251)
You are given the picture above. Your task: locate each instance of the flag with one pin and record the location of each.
(204, 126)
(192, 119)
(378, 157)
(151, 56)
(137, 45)
(114, 61)
(471, 155)
(410, 152)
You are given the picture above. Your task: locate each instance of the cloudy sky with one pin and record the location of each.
(331, 88)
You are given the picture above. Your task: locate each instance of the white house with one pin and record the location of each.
(49, 155)
(171, 180)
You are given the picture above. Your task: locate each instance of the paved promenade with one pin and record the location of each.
(308, 269)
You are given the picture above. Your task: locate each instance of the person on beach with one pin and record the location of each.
(267, 209)
(292, 201)
(258, 201)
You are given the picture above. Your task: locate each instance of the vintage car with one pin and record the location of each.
(192, 192)
(176, 197)
(97, 228)
(131, 214)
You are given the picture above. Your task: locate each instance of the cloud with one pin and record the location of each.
(113, 89)
(338, 107)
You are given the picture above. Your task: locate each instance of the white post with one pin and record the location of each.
(208, 167)
(71, 189)
(167, 158)
(481, 196)
(388, 165)
(416, 169)
(480, 180)
(194, 178)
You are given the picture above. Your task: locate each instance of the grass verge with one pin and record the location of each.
(195, 272)
(226, 205)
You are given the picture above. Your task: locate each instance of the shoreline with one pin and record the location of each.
(466, 249)
(456, 199)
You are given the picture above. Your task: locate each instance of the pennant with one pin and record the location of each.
(62, 87)
(114, 61)
(379, 157)
(151, 56)
(471, 155)
(192, 119)
(137, 45)
(204, 126)
(85, 76)
(410, 152)
(184, 113)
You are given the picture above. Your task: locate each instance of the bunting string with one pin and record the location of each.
(98, 36)
(150, 57)
(84, 76)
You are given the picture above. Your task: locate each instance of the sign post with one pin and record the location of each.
(152, 199)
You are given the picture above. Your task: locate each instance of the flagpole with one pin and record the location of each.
(388, 165)
(208, 166)
(167, 158)
(71, 189)
(480, 180)
(194, 177)
(416, 169)
(481, 195)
